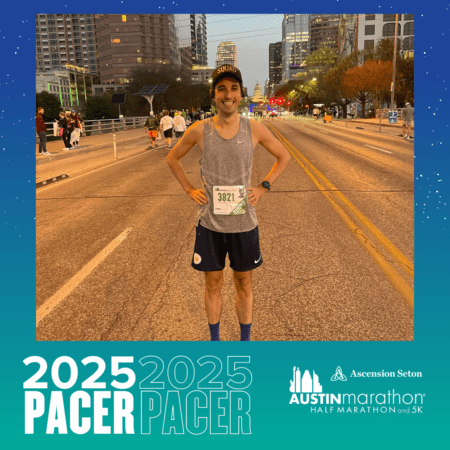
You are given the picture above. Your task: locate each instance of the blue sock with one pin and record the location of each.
(245, 331)
(215, 331)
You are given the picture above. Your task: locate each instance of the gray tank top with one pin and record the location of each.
(226, 162)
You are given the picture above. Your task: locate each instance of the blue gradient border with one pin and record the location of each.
(274, 422)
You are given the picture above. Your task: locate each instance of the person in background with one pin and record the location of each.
(166, 125)
(408, 121)
(78, 124)
(179, 125)
(70, 128)
(152, 124)
(41, 130)
(62, 122)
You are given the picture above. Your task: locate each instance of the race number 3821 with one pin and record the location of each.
(104, 397)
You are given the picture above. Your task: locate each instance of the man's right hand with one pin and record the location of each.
(199, 196)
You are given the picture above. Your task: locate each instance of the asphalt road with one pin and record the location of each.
(114, 245)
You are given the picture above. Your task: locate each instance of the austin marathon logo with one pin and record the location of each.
(306, 389)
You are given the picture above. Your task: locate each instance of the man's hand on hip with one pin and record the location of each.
(199, 196)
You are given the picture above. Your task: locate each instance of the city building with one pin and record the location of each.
(257, 97)
(202, 74)
(70, 84)
(199, 39)
(374, 27)
(275, 66)
(226, 54)
(348, 35)
(127, 41)
(65, 39)
(324, 31)
(295, 43)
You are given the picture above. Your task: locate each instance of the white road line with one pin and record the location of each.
(57, 298)
(326, 132)
(376, 148)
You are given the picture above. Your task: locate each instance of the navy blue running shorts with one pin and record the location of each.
(212, 247)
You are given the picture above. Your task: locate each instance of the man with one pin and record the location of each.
(152, 124)
(407, 121)
(179, 125)
(166, 124)
(41, 130)
(227, 218)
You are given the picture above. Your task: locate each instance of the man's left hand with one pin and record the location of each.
(254, 194)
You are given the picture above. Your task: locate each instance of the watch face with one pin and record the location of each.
(266, 185)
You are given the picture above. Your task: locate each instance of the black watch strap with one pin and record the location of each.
(266, 185)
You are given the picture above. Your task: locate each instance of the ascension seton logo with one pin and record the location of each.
(338, 376)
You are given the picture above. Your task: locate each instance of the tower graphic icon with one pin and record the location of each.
(305, 384)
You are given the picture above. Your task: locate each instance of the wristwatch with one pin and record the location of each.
(266, 185)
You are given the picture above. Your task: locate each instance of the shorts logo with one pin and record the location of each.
(257, 261)
(197, 258)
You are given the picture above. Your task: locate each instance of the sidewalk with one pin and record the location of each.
(92, 143)
(384, 122)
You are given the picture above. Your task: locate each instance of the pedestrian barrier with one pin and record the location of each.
(96, 127)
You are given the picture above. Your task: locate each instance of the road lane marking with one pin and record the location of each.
(376, 148)
(326, 132)
(330, 192)
(64, 292)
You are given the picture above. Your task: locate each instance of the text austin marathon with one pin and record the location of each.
(207, 395)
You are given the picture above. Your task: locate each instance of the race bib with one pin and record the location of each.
(229, 200)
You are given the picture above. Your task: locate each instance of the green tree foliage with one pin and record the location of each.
(51, 105)
(100, 108)
(321, 60)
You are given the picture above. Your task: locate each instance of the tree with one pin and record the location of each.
(50, 103)
(100, 108)
(334, 81)
(321, 60)
(372, 80)
(404, 85)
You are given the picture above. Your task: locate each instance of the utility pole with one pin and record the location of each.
(395, 60)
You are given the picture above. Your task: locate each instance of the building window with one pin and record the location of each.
(370, 16)
(408, 43)
(139, 60)
(408, 29)
(408, 16)
(370, 30)
(124, 18)
(391, 17)
(389, 30)
(369, 45)
(115, 41)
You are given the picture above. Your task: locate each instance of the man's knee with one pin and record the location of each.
(243, 280)
(214, 281)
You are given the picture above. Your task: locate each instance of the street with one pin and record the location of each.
(114, 243)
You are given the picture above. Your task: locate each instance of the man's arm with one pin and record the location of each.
(190, 138)
(275, 148)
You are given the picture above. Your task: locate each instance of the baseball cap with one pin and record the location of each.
(227, 70)
(407, 103)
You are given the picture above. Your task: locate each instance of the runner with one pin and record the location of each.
(227, 218)
(152, 124)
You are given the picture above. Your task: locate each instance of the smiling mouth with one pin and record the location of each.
(228, 103)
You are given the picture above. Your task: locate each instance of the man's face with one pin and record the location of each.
(227, 95)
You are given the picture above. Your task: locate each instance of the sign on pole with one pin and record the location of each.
(392, 116)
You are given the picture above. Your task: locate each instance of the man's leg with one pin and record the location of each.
(244, 302)
(213, 301)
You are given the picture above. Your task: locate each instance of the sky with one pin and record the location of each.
(252, 34)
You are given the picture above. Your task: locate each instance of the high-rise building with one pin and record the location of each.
(324, 31)
(199, 39)
(348, 34)
(374, 27)
(226, 54)
(127, 41)
(65, 39)
(275, 66)
(296, 43)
